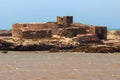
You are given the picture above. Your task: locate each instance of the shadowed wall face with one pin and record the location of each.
(37, 34)
(101, 32)
(68, 19)
(73, 31)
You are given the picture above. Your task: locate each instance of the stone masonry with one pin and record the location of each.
(43, 30)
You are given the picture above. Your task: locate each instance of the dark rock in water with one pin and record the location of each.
(96, 49)
(33, 47)
(54, 50)
(56, 46)
(5, 52)
(4, 45)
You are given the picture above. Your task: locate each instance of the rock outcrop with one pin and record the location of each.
(4, 45)
(34, 44)
(113, 34)
(56, 45)
(97, 49)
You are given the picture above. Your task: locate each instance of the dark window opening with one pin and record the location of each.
(100, 36)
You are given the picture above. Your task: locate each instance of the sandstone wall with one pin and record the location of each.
(59, 20)
(85, 29)
(16, 31)
(98, 31)
(69, 32)
(26, 27)
(65, 20)
(34, 26)
(90, 30)
(73, 31)
(21, 30)
(37, 34)
(54, 27)
(26, 30)
(81, 30)
(86, 38)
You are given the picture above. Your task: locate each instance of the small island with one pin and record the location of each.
(64, 34)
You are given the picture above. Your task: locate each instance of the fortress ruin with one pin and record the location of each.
(46, 30)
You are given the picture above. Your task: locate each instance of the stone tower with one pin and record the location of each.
(65, 20)
(59, 20)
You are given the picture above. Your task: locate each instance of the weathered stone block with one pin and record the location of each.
(85, 39)
(37, 34)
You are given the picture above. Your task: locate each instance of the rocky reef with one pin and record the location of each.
(58, 44)
(37, 44)
(97, 49)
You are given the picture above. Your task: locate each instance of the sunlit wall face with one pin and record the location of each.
(96, 12)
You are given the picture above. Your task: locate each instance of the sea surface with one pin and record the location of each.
(42, 65)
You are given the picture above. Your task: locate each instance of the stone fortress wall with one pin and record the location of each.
(4, 33)
(35, 30)
(42, 30)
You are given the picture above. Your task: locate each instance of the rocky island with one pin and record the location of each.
(61, 35)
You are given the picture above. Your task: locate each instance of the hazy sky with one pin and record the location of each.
(96, 12)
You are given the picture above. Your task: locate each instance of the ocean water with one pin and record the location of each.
(42, 65)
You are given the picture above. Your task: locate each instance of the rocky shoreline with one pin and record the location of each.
(30, 45)
(112, 45)
(56, 46)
